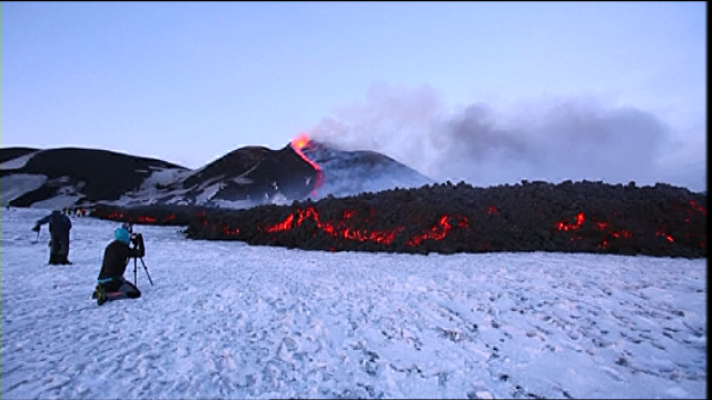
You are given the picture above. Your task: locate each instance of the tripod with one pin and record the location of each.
(144, 268)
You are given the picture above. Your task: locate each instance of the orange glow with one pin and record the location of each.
(662, 231)
(282, 226)
(230, 232)
(333, 228)
(437, 232)
(300, 141)
(353, 225)
(337, 228)
(666, 236)
(698, 207)
(464, 223)
(566, 225)
(601, 225)
(624, 233)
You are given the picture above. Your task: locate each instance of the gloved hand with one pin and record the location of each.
(36, 228)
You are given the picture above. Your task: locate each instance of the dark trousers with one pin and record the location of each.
(120, 288)
(59, 248)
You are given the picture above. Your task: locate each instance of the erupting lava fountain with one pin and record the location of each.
(300, 142)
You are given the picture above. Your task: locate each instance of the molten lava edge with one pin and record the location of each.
(568, 217)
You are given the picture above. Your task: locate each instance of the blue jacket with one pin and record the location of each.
(58, 222)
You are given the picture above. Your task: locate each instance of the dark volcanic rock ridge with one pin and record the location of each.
(591, 217)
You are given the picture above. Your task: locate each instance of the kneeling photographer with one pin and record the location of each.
(111, 284)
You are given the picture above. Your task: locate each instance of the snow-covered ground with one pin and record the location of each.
(228, 320)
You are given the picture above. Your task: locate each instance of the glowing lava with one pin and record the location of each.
(334, 228)
(298, 143)
(566, 225)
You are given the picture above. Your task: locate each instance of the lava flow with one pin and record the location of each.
(335, 228)
(657, 221)
(299, 143)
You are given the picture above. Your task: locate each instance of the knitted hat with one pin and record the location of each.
(122, 234)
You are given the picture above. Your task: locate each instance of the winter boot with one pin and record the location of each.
(99, 295)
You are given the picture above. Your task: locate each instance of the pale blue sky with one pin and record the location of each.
(189, 82)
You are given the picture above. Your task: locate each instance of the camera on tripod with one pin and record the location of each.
(135, 237)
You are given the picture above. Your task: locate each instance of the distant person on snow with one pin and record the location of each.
(111, 284)
(59, 227)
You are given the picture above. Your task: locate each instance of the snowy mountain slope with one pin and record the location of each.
(348, 173)
(227, 320)
(242, 178)
(15, 153)
(16, 185)
(90, 174)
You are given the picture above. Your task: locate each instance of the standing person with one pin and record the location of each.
(59, 227)
(111, 284)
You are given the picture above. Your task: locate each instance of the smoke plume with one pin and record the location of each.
(553, 140)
